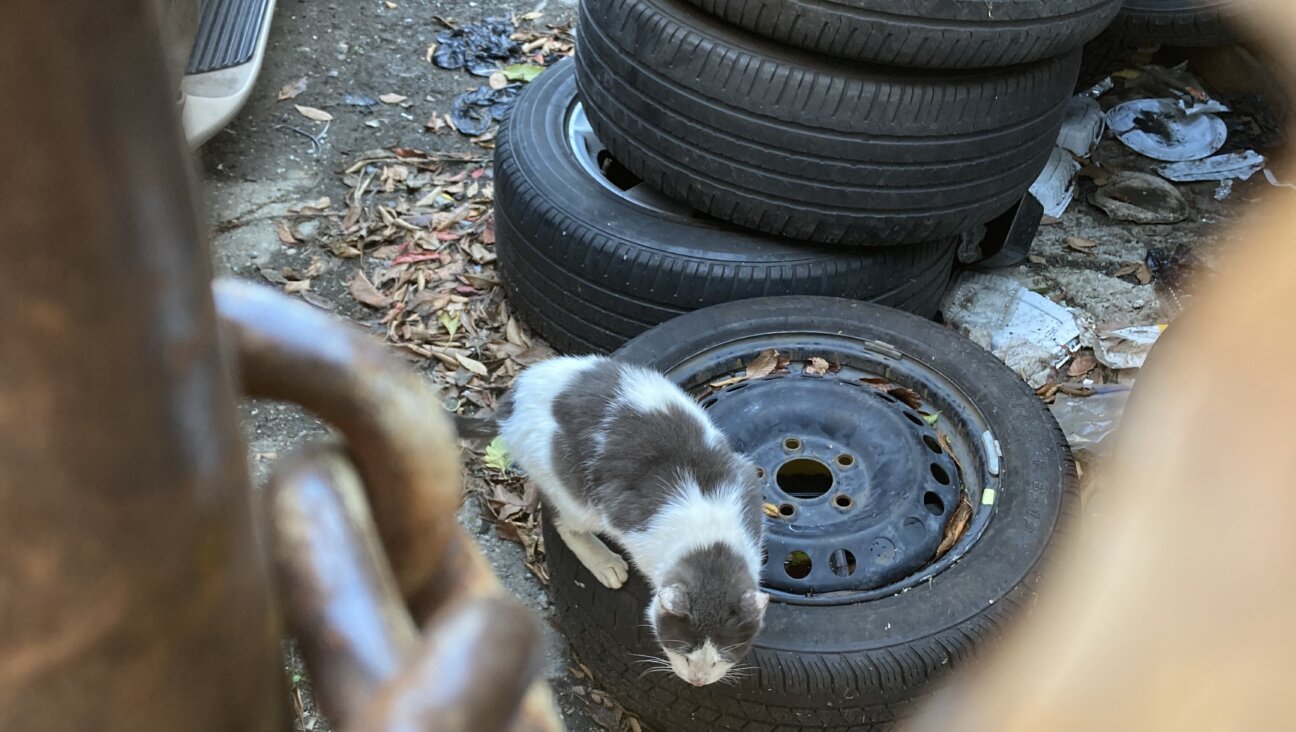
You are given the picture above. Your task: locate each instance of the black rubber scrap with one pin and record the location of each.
(478, 47)
(474, 111)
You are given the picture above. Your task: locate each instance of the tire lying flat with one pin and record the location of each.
(849, 666)
(784, 141)
(589, 268)
(1177, 22)
(934, 34)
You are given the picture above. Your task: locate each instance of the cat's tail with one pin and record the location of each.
(476, 428)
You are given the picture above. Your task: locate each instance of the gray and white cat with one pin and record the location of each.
(621, 451)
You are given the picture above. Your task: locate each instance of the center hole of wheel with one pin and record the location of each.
(804, 478)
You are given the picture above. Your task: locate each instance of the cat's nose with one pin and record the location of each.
(697, 681)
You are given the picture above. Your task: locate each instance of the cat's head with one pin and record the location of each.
(706, 614)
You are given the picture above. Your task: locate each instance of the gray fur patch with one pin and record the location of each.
(627, 462)
(714, 581)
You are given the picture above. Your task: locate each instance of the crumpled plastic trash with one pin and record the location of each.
(1230, 166)
(1088, 422)
(473, 112)
(478, 47)
(1168, 129)
(1027, 331)
(1083, 126)
(1055, 187)
(1125, 348)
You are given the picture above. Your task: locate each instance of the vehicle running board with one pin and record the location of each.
(228, 34)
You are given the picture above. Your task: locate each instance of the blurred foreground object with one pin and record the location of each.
(135, 588)
(1174, 610)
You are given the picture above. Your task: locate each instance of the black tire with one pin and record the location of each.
(794, 144)
(589, 269)
(1177, 22)
(934, 34)
(1102, 57)
(842, 667)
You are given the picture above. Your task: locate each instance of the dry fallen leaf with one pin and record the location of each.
(365, 293)
(285, 234)
(318, 115)
(472, 365)
(816, 366)
(1082, 365)
(392, 98)
(762, 365)
(1079, 244)
(498, 80)
(911, 398)
(1037, 259)
(1128, 269)
(1144, 274)
(955, 528)
(292, 89)
(770, 510)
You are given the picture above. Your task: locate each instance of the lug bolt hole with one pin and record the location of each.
(787, 509)
(797, 565)
(845, 460)
(843, 501)
(791, 443)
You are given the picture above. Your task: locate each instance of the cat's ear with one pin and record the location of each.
(671, 599)
(755, 602)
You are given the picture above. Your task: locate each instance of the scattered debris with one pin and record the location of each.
(478, 47)
(292, 89)
(1055, 186)
(1088, 421)
(1027, 331)
(473, 112)
(1227, 167)
(1140, 198)
(1168, 129)
(1083, 126)
(1125, 348)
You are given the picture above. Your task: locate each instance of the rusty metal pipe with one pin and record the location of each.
(390, 415)
(338, 591)
(477, 658)
(133, 593)
(403, 446)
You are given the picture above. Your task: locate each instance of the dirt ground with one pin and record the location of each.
(260, 167)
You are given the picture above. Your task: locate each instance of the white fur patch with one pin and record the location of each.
(649, 391)
(692, 521)
(699, 667)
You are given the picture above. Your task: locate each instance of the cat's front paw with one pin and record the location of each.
(612, 571)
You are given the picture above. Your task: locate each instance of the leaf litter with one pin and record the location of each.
(412, 245)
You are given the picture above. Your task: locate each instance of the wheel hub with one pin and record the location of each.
(861, 487)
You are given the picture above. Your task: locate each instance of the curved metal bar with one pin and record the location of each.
(403, 446)
(338, 591)
(391, 417)
(471, 673)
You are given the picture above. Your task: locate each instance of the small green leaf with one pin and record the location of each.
(296, 678)
(497, 456)
(451, 322)
(522, 72)
(931, 418)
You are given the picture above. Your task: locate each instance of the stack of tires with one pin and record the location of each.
(703, 151)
